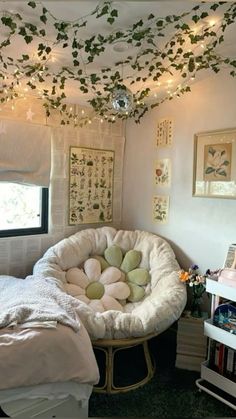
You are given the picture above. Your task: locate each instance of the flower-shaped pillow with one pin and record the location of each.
(136, 278)
(100, 290)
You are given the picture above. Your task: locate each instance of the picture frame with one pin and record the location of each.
(160, 209)
(162, 172)
(91, 178)
(230, 257)
(214, 164)
(164, 135)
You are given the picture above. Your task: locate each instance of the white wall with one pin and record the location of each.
(199, 229)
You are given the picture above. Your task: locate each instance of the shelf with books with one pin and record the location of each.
(218, 379)
(219, 371)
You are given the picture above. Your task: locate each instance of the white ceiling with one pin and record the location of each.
(129, 12)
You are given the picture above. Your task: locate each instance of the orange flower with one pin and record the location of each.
(183, 276)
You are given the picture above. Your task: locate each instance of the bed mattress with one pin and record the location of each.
(33, 356)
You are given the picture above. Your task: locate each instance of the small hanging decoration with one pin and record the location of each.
(122, 99)
(29, 114)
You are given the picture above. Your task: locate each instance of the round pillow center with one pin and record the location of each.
(95, 290)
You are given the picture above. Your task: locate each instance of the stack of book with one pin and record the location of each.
(191, 343)
(223, 360)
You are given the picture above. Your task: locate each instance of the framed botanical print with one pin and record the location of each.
(160, 212)
(214, 173)
(91, 185)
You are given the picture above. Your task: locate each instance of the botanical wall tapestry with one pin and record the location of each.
(91, 185)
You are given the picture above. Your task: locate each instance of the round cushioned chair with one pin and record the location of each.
(163, 298)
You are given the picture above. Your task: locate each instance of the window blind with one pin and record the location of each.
(25, 153)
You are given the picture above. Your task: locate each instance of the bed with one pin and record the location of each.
(47, 368)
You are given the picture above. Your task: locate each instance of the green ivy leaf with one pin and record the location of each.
(28, 39)
(32, 4)
(110, 20)
(114, 13)
(44, 19)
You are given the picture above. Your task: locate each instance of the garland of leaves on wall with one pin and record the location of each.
(191, 47)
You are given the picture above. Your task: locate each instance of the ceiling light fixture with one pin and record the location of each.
(121, 99)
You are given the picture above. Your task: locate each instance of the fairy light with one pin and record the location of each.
(113, 118)
(89, 121)
(158, 83)
(82, 111)
(101, 120)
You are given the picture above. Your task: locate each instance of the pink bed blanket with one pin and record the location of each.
(35, 356)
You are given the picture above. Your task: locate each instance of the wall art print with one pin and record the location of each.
(214, 170)
(91, 185)
(162, 172)
(217, 162)
(161, 209)
(164, 132)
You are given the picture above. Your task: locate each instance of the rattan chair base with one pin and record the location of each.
(111, 349)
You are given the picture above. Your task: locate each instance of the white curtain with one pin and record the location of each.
(25, 153)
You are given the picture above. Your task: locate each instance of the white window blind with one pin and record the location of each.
(25, 153)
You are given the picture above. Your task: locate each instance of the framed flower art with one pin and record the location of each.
(214, 173)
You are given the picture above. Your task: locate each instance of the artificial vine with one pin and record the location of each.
(191, 47)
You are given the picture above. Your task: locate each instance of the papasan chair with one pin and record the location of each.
(126, 289)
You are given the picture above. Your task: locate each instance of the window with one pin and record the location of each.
(23, 209)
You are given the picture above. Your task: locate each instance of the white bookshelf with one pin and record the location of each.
(223, 388)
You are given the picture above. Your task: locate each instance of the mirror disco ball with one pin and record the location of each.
(122, 99)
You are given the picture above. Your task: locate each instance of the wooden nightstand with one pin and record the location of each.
(191, 342)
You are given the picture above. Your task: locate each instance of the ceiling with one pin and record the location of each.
(128, 13)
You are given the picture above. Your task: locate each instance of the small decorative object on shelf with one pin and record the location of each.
(197, 283)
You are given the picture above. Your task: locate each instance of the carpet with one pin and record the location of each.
(167, 395)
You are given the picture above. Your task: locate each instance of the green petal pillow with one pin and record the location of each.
(113, 255)
(131, 260)
(136, 293)
(104, 263)
(138, 276)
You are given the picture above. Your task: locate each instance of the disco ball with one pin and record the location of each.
(122, 99)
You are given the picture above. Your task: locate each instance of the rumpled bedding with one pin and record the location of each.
(164, 302)
(34, 356)
(35, 299)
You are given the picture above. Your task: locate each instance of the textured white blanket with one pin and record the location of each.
(35, 299)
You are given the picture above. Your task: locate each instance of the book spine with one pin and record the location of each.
(221, 358)
(230, 363)
(234, 374)
(216, 360)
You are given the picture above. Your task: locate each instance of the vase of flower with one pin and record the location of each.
(198, 290)
(197, 283)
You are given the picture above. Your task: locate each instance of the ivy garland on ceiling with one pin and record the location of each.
(191, 47)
